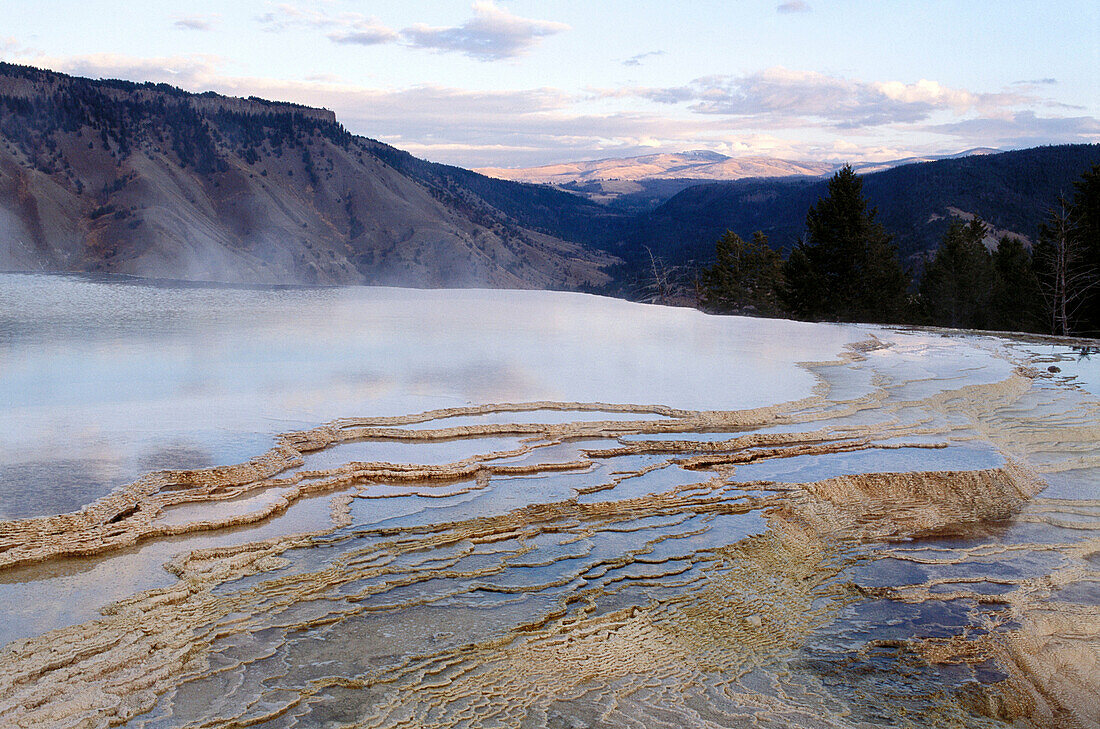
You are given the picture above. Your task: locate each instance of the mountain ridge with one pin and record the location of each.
(694, 164)
(150, 180)
(640, 183)
(697, 164)
(1010, 191)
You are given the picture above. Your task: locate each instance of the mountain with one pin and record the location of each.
(638, 184)
(865, 168)
(540, 208)
(1011, 191)
(696, 165)
(149, 180)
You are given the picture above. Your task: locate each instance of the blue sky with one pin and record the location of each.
(517, 82)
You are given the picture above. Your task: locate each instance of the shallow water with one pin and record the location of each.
(102, 381)
(532, 509)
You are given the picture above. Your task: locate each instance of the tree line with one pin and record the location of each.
(150, 114)
(846, 268)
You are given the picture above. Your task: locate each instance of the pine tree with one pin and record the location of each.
(745, 277)
(846, 268)
(958, 283)
(1015, 303)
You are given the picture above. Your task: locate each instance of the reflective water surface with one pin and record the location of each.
(379, 507)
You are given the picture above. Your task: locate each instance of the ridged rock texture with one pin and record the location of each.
(152, 181)
(874, 555)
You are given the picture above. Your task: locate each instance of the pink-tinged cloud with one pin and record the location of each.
(492, 34)
(1023, 129)
(345, 28)
(784, 94)
(786, 115)
(194, 73)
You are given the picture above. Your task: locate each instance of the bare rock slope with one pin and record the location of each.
(152, 181)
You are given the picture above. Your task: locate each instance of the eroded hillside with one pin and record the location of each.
(152, 181)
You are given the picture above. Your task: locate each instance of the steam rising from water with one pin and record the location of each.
(869, 553)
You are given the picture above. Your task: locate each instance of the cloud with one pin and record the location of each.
(195, 72)
(778, 113)
(196, 22)
(793, 6)
(637, 60)
(287, 15)
(11, 48)
(1036, 82)
(365, 33)
(783, 94)
(345, 28)
(1023, 129)
(492, 34)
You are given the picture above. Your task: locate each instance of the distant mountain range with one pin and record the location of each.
(1010, 191)
(149, 180)
(646, 180)
(697, 165)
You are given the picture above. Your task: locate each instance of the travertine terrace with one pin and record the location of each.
(915, 544)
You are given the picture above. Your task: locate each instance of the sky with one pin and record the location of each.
(515, 83)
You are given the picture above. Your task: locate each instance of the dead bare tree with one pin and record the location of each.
(664, 283)
(1067, 275)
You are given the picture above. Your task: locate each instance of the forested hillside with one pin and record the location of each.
(1010, 191)
(847, 268)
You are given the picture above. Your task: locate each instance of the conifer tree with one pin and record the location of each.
(957, 285)
(745, 277)
(1086, 210)
(846, 268)
(1015, 303)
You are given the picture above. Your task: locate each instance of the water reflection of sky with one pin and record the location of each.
(1075, 365)
(103, 380)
